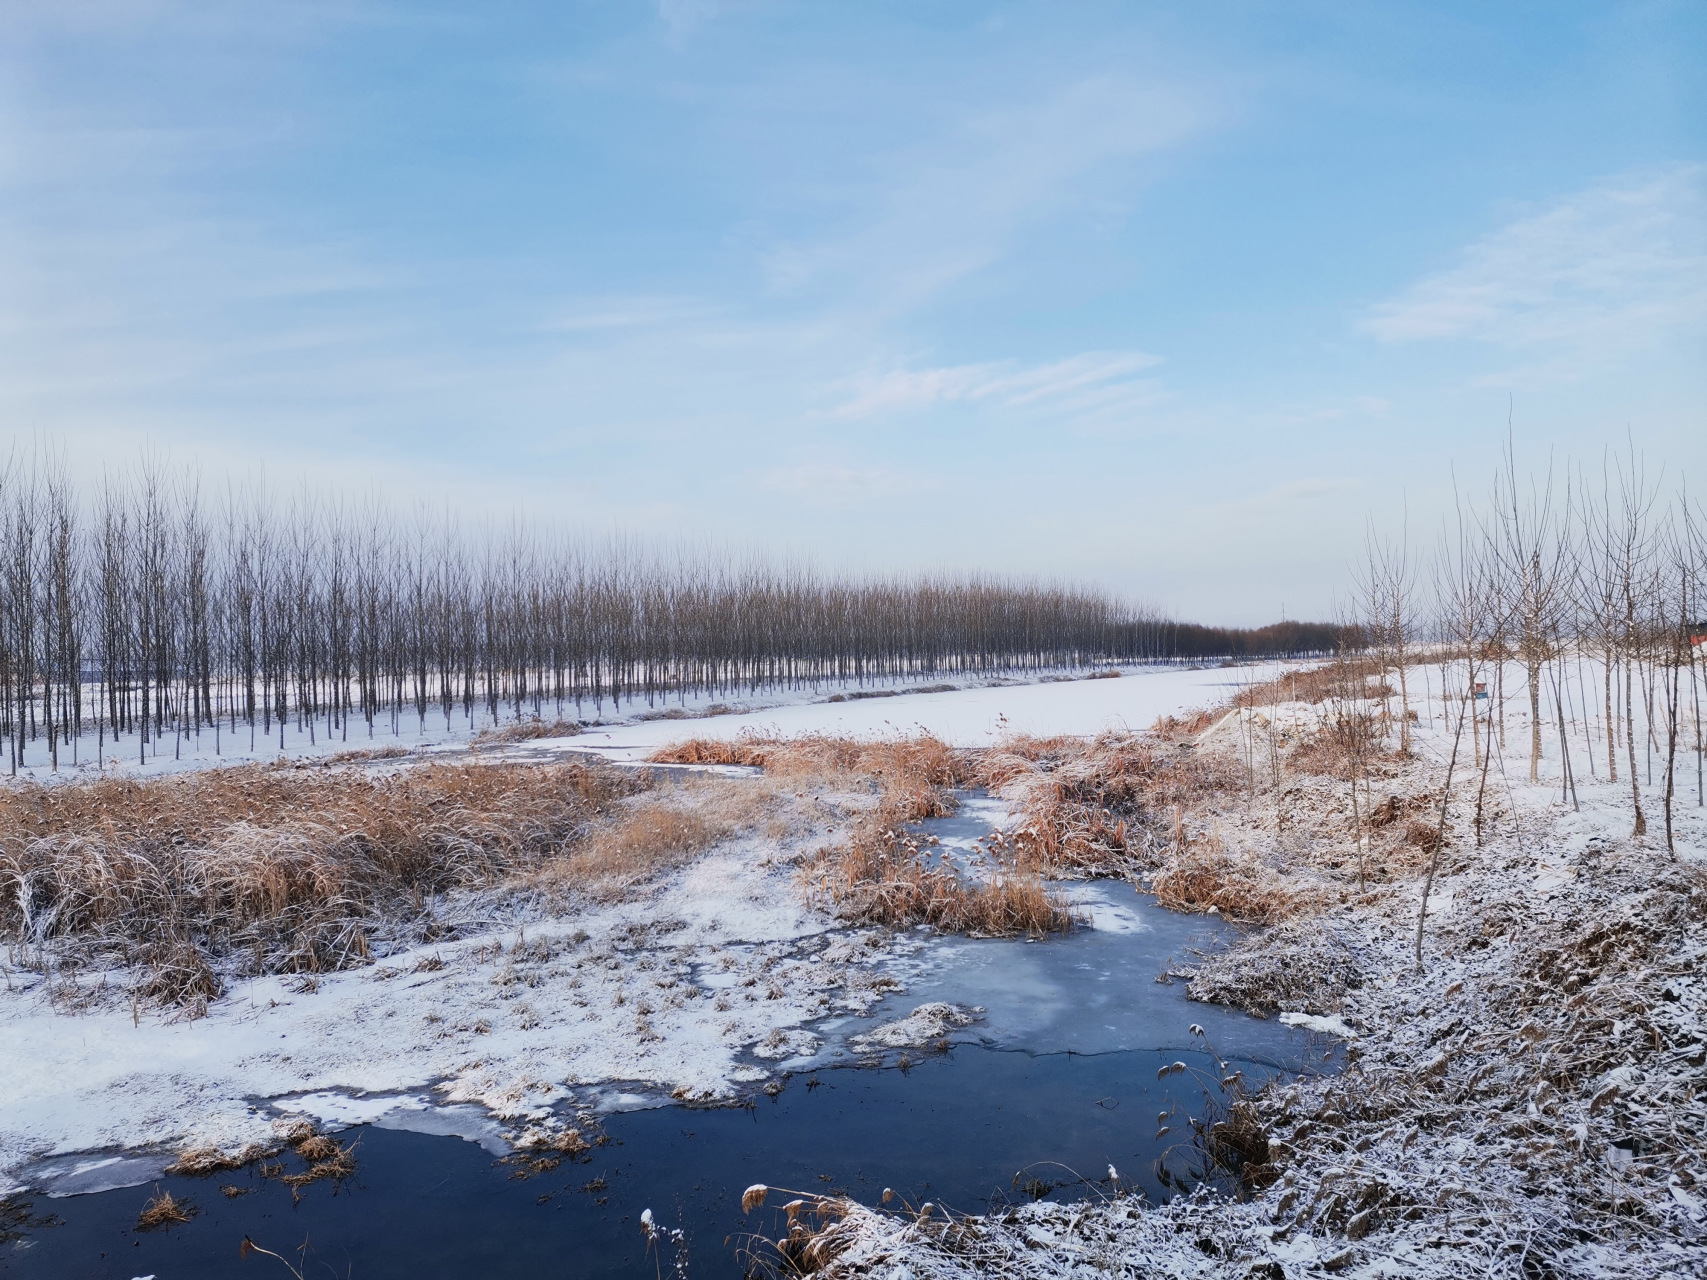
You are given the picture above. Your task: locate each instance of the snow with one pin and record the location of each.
(513, 1030)
(695, 989)
(515, 1022)
(1327, 1024)
(926, 1023)
(970, 717)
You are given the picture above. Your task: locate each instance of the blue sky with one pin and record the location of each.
(1173, 298)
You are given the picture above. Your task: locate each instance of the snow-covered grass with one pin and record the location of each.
(1526, 1103)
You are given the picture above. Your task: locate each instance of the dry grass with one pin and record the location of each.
(912, 765)
(881, 875)
(1185, 726)
(1106, 807)
(1204, 876)
(364, 755)
(1342, 747)
(201, 1161)
(325, 1160)
(295, 869)
(526, 731)
(635, 844)
(1347, 679)
(162, 1210)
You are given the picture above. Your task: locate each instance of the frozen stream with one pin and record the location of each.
(1055, 1082)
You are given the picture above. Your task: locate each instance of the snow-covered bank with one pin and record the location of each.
(1528, 1103)
(669, 988)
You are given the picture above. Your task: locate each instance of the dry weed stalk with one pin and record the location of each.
(813, 1233)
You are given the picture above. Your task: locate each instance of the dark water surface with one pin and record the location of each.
(953, 1129)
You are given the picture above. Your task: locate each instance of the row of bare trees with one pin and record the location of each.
(148, 613)
(1576, 595)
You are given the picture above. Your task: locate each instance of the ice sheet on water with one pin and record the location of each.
(1095, 990)
(341, 1109)
(84, 1175)
(470, 1123)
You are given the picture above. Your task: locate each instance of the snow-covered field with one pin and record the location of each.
(972, 715)
(977, 716)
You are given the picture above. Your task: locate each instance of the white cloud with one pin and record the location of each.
(1081, 383)
(1599, 273)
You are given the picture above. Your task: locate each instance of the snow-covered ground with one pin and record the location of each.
(977, 716)
(972, 715)
(699, 986)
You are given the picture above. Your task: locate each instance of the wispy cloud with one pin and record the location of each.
(1080, 383)
(1595, 275)
(961, 203)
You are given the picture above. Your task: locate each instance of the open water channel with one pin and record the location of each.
(1056, 1083)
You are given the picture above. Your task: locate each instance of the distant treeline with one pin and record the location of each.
(147, 612)
(1190, 640)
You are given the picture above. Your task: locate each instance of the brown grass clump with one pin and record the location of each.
(177, 973)
(526, 731)
(897, 764)
(744, 751)
(201, 1161)
(882, 876)
(1422, 835)
(1205, 877)
(1341, 748)
(318, 1147)
(394, 751)
(162, 1210)
(293, 868)
(1187, 725)
(568, 1142)
(326, 1160)
(1099, 808)
(816, 1232)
